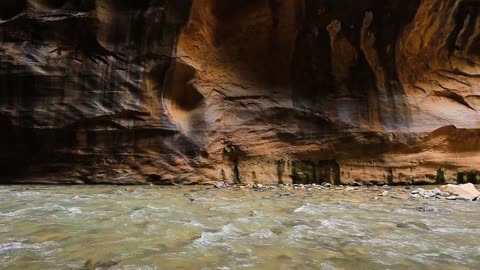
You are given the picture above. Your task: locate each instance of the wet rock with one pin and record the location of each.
(327, 185)
(261, 188)
(465, 191)
(445, 194)
(427, 194)
(417, 191)
(427, 208)
(414, 197)
(386, 187)
(221, 184)
(452, 198)
(414, 225)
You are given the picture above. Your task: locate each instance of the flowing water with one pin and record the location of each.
(108, 227)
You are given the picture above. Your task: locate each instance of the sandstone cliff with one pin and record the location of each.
(270, 91)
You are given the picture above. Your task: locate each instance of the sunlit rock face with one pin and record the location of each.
(270, 91)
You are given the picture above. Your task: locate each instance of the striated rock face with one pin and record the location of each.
(269, 91)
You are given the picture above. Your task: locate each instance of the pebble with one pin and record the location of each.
(427, 208)
(415, 197)
(288, 189)
(427, 194)
(417, 191)
(221, 184)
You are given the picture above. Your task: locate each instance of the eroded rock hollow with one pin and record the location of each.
(267, 91)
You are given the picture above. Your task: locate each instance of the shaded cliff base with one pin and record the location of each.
(447, 155)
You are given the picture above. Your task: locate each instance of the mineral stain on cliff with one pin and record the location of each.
(110, 91)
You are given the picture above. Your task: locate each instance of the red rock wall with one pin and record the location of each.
(268, 91)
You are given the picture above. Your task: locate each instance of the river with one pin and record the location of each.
(117, 227)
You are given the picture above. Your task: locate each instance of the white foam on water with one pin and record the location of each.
(327, 224)
(194, 223)
(74, 210)
(308, 209)
(327, 266)
(263, 234)
(227, 232)
(16, 245)
(8, 247)
(20, 212)
(53, 207)
(244, 220)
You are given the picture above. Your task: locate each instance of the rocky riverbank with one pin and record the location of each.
(466, 192)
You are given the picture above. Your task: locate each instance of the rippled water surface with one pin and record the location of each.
(105, 227)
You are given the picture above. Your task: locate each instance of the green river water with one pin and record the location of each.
(110, 227)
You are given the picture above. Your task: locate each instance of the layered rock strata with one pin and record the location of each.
(266, 91)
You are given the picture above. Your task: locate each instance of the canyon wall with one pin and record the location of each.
(267, 91)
